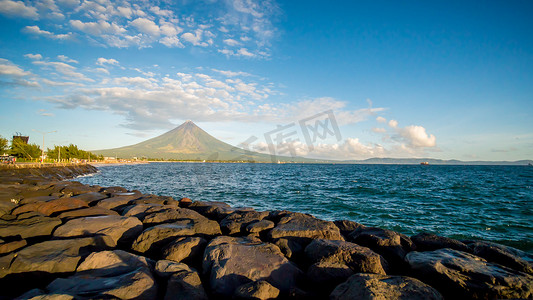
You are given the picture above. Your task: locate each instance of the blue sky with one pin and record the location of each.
(441, 79)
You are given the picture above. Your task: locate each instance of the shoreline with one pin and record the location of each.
(209, 250)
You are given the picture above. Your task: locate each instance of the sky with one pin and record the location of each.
(336, 80)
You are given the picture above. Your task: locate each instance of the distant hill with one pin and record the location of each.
(190, 142)
(433, 161)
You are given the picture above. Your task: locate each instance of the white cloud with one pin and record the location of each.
(231, 42)
(380, 119)
(34, 56)
(60, 83)
(231, 73)
(7, 68)
(37, 31)
(17, 9)
(146, 26)
(68, 71)
(195, 38)
(105, 61)
(245, 52)
(171, 41)
(416, 136)
(66, 59)
(97, 28)
(379, 130)
(393, 123)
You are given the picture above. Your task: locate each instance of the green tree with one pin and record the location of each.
(70, 152)
(3, 145)
(23, 150)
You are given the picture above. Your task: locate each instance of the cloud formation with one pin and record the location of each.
(239, 28)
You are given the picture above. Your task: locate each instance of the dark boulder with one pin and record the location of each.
(460, 275)
(429, 242)
(377, 286)
(503, 255)
(230, 262)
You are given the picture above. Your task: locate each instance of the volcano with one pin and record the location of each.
(190, 142)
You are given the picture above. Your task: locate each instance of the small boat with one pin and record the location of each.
(424, 163)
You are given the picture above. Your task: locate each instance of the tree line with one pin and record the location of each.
(27, 151)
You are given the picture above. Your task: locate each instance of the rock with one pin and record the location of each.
(236, 222)
(116, 202)
(167, 268)
(190, 249)
(257, 290)
(212, 210)
(87, 212)
(230, 262)
(76, 188)
(335, 261)
(141, 210)
(172, 215)
(37, 199)
(346, 227)
(54, 257)
(299, 230)
(51, 207)
(185, 285)
(155, 199)
(90, 197)
(37, 294)
(260, 226)
(113, 190)
(376, 286)
(460, 275)
(503, 255)
(121, 229)
(393, 246)
(153, 238)
(305, 226)
(8, 247)
(36, 226)
(429, 242)
(185, 202)
(110, 273)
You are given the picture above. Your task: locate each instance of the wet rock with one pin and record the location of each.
(116, 202)
(212, 210)
(393, 246)
(172, 215)
(121, 229)
(346, 227)
(260, 226)
(236, 222)
(110, 273)
(153, 238)
(76, 188)
(230, 262)
(86, 212)
(38, 294)
(429, 242)
(460, 275)
(8, 247)
(51, 207)
(257, 290)
(334, 261)
(54, 257)
(113, 190)
(35, 226)
(503, 255)
(376, 286)
(190, 249)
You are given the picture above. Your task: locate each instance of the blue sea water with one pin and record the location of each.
(492, 203)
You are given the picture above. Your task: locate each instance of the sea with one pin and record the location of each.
(493, 203)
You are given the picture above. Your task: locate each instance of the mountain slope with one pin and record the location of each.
(190, 142)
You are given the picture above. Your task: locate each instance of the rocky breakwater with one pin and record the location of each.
(65, 240)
